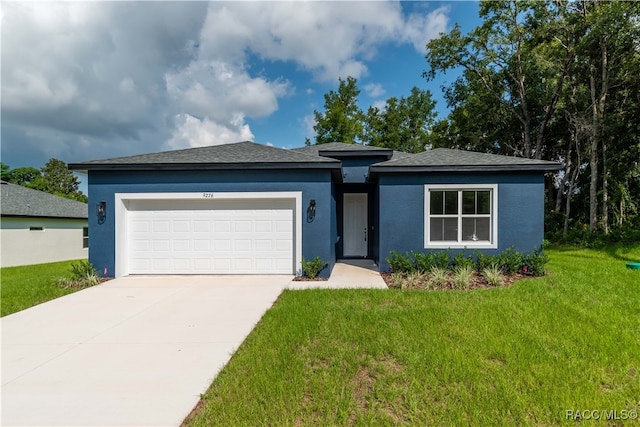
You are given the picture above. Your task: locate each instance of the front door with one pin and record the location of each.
(355, 225)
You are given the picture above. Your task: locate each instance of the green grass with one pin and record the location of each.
(26, 286)
(522, 355)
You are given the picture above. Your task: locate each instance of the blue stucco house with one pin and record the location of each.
(247, 208)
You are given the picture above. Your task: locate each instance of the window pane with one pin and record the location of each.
(443, 229)
(451, 229)
(475, 229)
(484, 202)
(451, 202)
(468, 202)
(436, 203)
(435, 229)
(483, 228)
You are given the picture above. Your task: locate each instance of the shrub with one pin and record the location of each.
(493, 275)
(399, 263)
(484, 261)
(462, 277)
(535, 261)
(398, 280)
(441, 259)
(83, 275)
(461, 260)
(422, 262)
(313, 267)
(438, 277)
(510, 261)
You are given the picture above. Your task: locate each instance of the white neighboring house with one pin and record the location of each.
(37, 227)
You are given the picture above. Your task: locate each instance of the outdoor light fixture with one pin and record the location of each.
(101, 211)
(311, 210)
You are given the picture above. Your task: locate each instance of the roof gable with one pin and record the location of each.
(23, 201)
(451, 160)
(244, 154)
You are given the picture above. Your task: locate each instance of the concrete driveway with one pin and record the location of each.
(135, 351)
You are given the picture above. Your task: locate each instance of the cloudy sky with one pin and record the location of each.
(94, 80)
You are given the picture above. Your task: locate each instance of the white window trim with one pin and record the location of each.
(493, 244)
(121, 210)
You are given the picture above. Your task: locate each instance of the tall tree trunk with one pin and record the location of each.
(605, 190)
(593, 163)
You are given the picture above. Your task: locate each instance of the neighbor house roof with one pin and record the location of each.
(450, 160)
(26, 202)
(239, 155)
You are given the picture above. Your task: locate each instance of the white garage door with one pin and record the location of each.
(246, 236)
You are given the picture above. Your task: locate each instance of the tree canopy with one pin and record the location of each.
(545, 80)
(54, 178)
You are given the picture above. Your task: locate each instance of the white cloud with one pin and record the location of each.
(419, 29)
(103, 79)
(193, 132)
(374, 90)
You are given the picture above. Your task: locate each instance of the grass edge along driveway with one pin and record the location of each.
(538, 353)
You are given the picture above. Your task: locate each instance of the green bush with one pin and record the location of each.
(510, 261)
(400, 263)
(313, 267)
(535, 261)
(82, 275)
(81, 269)
(462, 260)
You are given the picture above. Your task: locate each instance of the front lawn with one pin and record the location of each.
(522, 355)
(25, 286)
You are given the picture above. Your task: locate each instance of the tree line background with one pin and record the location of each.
(555, 80)
(54, 178)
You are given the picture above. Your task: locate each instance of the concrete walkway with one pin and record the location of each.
(134, 351)
(347, 274)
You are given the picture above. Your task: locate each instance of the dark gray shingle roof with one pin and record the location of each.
(16, 200)
(244, 154)
(449, 160)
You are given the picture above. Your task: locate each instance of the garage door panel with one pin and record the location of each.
(217, 237)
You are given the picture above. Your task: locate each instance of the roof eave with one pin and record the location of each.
(79, 218)
(201, 166)
(466, 168)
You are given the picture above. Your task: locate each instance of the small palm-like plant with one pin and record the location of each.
(462, 276)
(493, 275)
(438, 277)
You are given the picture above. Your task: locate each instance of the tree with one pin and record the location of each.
(403, 124)
(497, 58)
(60, 180)
(342, 120)
(554, 79)
(28, 177)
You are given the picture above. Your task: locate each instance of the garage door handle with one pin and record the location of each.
(365, 234)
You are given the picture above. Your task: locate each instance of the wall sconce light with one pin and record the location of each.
(101, 211)
(311, 210)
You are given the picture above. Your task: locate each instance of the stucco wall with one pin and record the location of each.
(318, 236)
(59, 240)
(520, 210)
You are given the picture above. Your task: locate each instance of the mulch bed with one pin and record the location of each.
(309, 279)
(478, 282)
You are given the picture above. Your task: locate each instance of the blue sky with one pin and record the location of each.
(94, 80)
